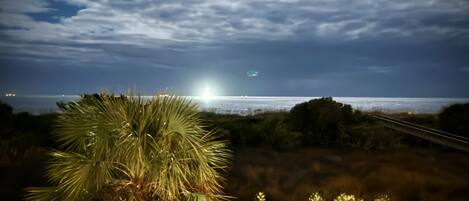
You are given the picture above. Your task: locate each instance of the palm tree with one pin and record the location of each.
(129, 148)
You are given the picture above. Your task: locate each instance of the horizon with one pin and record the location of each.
(250, 105)
(218, 96)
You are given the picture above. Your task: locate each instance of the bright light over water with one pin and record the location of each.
(207, 94)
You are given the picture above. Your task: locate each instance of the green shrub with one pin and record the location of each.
(321, 121)
(276, 133)
(346, 197)
(260, 196)
(315, 197)
(243, 131)
(133, 149)
(372, 136)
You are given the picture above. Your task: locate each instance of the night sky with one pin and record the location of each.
(389, 48)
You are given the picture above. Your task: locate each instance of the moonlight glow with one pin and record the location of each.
(207, 94)
(207, 91)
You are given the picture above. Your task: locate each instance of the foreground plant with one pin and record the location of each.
(128, 148)
(345, 197)
(383, 197)
(315, 197)
(260, 196)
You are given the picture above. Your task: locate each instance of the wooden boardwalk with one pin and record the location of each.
(430, 134)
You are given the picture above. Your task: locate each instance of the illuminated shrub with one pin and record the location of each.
(315, 197)
(128, 148)
(260, 196)
(345, 197)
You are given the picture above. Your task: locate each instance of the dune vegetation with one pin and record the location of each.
(127, 148)
(107, 147)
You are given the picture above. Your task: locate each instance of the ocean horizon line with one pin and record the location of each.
(240, 96)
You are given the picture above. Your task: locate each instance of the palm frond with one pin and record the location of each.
(153, 149)
(77, 175)
(42, 194)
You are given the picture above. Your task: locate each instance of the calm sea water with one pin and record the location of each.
(256, 104)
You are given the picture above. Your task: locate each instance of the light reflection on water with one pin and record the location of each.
(255, 104)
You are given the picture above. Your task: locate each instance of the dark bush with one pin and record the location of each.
(275, 133)
(6, 120)
(266, 129)
(285, 139)
(372, 137)
(37, 127)
(455, 119)
(241, 131)
(321, 121)
(246, 132)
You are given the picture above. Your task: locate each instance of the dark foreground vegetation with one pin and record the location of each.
(320, 122)
(319, 146)
(408, 174)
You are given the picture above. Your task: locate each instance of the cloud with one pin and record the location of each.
(379, 69)
(25, 6)
(187, 25)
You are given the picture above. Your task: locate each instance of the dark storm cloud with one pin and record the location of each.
(302, 47)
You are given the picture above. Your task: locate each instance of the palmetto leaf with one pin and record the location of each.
(43, 194)
(77, 175)
(153, 149)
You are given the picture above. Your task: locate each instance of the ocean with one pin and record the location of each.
(256, 104)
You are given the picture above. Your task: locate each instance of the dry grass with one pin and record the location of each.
(409, 174)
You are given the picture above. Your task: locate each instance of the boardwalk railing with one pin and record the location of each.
(430, 134)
